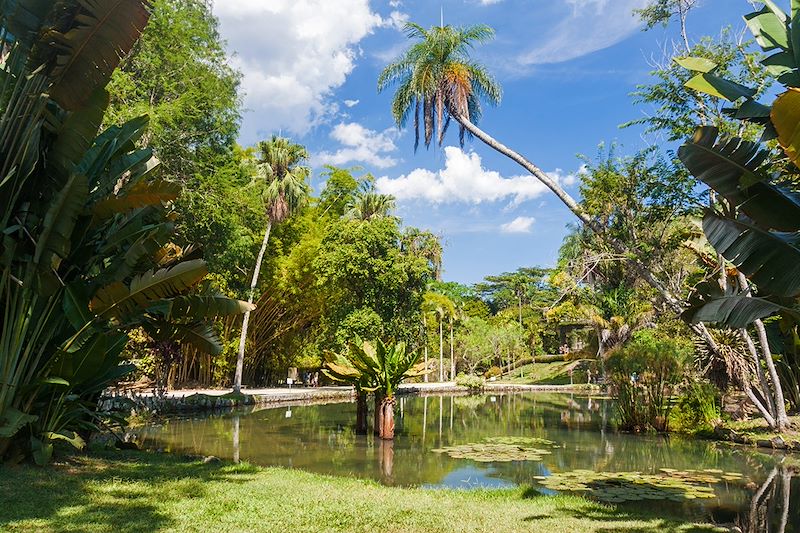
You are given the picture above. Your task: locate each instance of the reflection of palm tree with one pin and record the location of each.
(283, 179)
(236, 439)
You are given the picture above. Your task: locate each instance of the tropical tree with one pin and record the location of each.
(369, 204)
(754, 223)
(86, 253)
(437, 81)
(387, 365)
(283, 179)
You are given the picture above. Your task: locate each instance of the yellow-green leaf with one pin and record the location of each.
(786, 119)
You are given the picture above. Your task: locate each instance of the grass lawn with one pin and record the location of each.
(136, 492)
(556, 373)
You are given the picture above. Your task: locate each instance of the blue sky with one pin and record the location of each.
(566, 66)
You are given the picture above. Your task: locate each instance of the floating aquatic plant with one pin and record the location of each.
(617, 487)
(500, 449)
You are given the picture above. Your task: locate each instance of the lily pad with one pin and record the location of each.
(501, 449)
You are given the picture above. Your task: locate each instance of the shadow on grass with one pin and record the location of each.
(654, 516)
(112, 491)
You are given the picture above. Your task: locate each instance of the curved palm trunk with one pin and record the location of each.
(237, 379)
(674, 303)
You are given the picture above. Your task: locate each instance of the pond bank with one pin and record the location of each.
(196, 400)
(129, 492)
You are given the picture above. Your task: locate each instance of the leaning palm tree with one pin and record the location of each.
(280, 172)
(437, 81)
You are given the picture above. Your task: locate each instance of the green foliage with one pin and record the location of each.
(678, 108)
(436, 79)
(470, 381)
(493, 372)
(697, 410)
(85, 254)
(382, 365)
(644, 375)
(179, 75)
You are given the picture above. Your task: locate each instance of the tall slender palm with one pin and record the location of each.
(437, 81)
(280, 172)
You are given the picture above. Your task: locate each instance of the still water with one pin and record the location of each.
(321, 438)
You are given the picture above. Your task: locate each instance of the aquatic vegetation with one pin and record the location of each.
(617, 487)
(501, 449)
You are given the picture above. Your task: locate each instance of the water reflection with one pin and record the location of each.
(322, 438)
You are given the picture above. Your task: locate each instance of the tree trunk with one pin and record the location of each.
(378, 421)
(425, 343)
(452, 354)
(674, 303)
(441, 349)
(361, 413)
(387, 418)
(237, 379)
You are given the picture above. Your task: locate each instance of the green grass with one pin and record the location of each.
(133, 492)
(757, 429)
(545, 374)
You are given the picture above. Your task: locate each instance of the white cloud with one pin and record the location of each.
(293, 54)
(351, 103)
(587, 26)
(396, 20)
(518, 225)
(489, 2)
(360, 145)
(463, 179)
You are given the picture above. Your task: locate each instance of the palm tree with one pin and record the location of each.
(437, 81)
(369, 205)
(283, 178)
(426, 245)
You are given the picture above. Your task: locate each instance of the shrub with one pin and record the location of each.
(698, 409)
(493, 372)
(644, 375)
(470, 381)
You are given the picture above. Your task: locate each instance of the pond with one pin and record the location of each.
(549, 442)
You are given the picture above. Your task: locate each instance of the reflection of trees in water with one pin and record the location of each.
(772, 508)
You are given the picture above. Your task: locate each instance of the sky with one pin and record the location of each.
(567, 68)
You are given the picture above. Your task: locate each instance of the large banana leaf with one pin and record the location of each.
(786, 119)
(118, 301)
(140, 195)
(738, 311)
(103, 33)
(771, 260)
(733, 168)
(23, 19)
(198, 307)
(769, 29)
(199, 335)
(78, 132)
(55, 241)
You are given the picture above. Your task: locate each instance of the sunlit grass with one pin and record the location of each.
(134, 492)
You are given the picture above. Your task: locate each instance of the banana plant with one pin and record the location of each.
(755, 223)
(85, 225)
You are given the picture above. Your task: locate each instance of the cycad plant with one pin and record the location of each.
(283, 178)
(339, 368)
(85, 252)
(382, 367)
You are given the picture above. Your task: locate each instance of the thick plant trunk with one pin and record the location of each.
(361, 413)
(237, 378)
(378, 417)
(387, 459)
(387, 418)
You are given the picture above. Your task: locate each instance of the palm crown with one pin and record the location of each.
(437, 80)
(280, 166)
